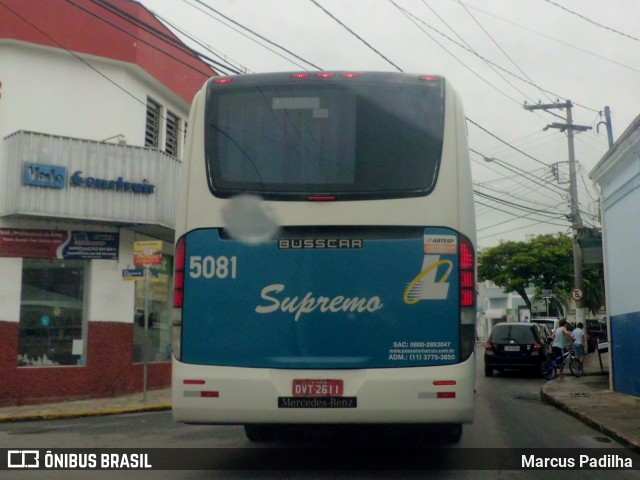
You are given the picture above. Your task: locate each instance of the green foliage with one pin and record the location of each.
(544, 262)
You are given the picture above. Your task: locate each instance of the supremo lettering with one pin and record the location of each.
(309, 303)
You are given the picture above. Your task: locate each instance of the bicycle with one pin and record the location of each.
(552, 366)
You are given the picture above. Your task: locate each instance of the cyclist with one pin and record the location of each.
(561, 339)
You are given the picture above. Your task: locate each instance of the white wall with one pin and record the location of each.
(51, 91)
(621, 230)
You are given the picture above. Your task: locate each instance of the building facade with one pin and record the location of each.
(94, 103)
(618, 176)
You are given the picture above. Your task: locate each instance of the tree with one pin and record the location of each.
(544, 262)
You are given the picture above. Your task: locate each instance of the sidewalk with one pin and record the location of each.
(587, 398)
(156, 400)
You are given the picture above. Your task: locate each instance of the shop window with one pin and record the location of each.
(52, 327)
(160, 313)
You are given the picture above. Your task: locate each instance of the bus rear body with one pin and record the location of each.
(359, 306)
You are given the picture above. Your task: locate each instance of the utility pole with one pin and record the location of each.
(576, 221)
(607, 124)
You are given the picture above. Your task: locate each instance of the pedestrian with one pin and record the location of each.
(561, 338)
(579, 339)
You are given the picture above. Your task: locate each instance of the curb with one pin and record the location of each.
(590, 421)
(84, 413)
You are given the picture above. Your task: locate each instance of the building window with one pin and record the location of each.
(52, 330)
(152, 131)
(171, 140)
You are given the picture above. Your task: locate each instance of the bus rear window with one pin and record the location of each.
(349, 140)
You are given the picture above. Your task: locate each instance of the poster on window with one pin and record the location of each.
(58, 244)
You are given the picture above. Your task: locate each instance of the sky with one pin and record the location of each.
(498, 54)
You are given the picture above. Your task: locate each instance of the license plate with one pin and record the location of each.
(321, 387)
(511, 348)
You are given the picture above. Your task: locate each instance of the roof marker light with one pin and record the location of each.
(223, 80)
(321, 198)
(324, 75)
(429, 78)
(300, 75)
(351, 75)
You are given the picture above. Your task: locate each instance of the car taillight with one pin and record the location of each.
(488, 347)
(537, 347)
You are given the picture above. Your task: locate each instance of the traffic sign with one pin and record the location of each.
(134, 274)
(576, 294)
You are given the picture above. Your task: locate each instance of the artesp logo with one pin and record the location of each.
(23, 459)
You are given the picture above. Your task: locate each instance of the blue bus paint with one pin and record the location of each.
(240, 321)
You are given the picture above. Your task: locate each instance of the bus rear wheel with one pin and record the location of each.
(261, 433)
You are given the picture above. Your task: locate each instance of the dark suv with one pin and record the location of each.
(516, 346)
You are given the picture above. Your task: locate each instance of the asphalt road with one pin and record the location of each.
(509, 414)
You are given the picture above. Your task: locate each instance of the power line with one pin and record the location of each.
(593, 22)
(237, 68)
(506, 143)
(261, 37)
(411, 19)
(117, 27)
(480, 56)
(588, 52)
(343, 25)
(169, 39)
(499, 47)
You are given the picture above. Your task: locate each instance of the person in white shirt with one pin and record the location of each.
(579, 338)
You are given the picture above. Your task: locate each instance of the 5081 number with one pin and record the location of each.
(212, 267)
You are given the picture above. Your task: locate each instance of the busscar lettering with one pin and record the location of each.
(319, 243)
(308, 303)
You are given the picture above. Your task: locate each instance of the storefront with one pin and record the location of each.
(71, 319)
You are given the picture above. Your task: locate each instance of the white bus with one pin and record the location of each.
(325, 254)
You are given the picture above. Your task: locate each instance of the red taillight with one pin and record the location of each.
(193, 382)
(488, 347)
(178, 277)
(429, 78)
(537, 347)
(223, 80)
(467, 273)
(444, 382)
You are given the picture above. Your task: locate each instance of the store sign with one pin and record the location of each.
(119, 185)
(147, 253)
(43, 175)
(58, 244)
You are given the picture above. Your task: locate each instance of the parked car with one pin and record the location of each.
(596, 332)
(516, 346)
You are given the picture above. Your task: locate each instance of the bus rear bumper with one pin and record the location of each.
(234, 395)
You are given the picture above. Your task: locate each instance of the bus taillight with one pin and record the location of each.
(178, 277)
(467, 273)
